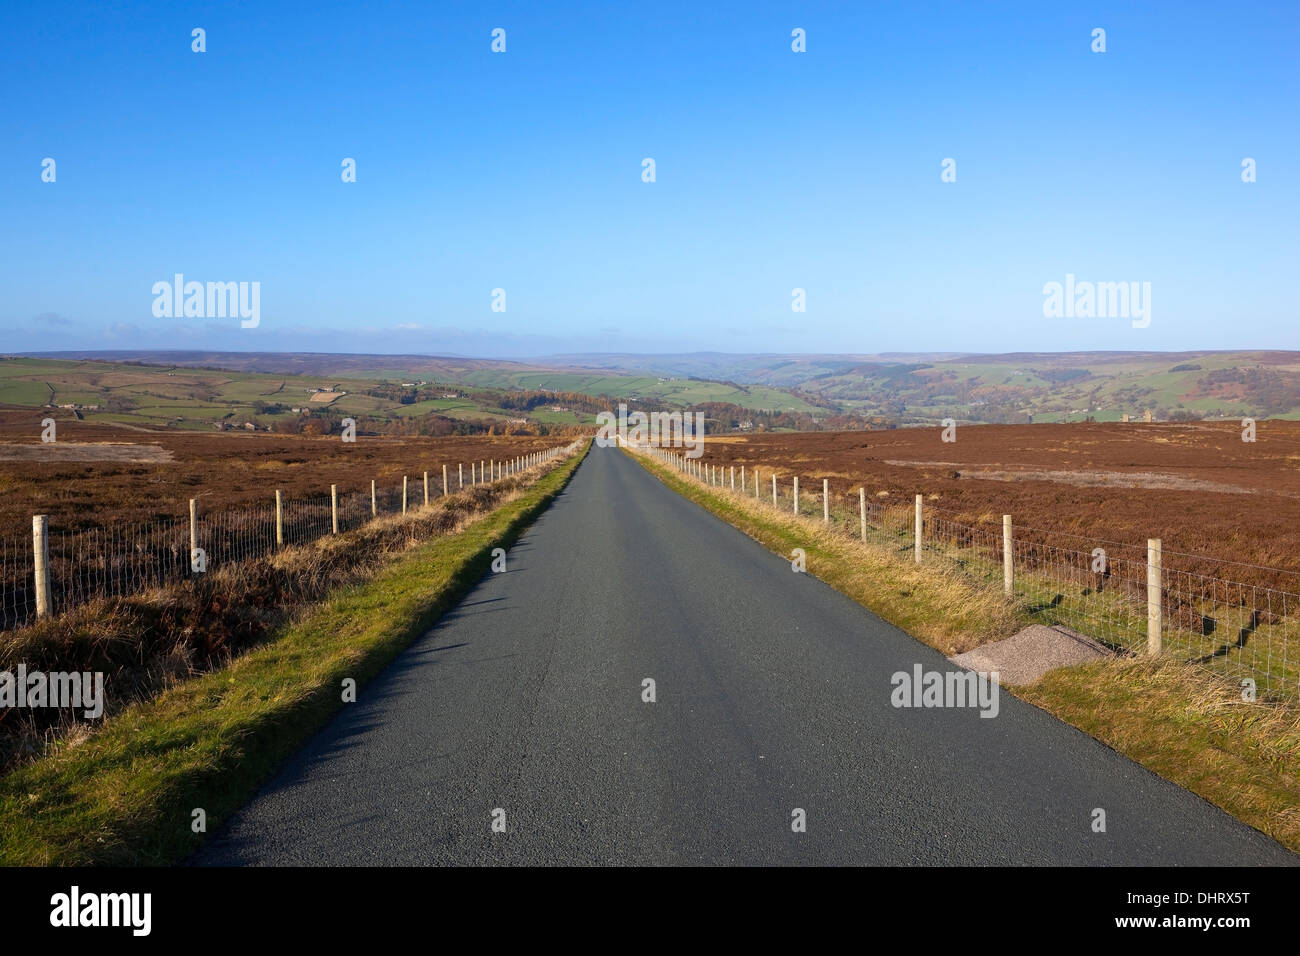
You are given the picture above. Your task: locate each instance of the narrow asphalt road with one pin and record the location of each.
(773, 693)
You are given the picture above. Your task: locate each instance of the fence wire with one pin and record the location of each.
(129, 558)
(1210, 615)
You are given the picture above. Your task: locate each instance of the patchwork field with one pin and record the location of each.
(170, 381)
(199, 399)
(1017, 388)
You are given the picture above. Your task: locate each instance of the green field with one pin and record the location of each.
(913, 388)
(197, 399)
(900, 389)
(673, 391)
(1068, 387)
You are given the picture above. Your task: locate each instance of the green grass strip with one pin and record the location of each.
(125, 794)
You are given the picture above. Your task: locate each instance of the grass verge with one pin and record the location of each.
(125, 794)
(1187, 725)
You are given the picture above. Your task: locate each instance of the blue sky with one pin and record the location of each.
(775, 170)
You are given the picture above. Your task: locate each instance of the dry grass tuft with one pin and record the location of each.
(148, 642)
(1190, 727)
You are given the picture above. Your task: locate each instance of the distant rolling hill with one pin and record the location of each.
(1012, 387)
(902, 388)
(200, 395)
(667, 388)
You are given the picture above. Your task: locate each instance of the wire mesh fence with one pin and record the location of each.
(1237, 619)
(129, 558)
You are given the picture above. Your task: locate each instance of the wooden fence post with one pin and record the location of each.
(733, 477)
(403, 494)
(774, 489)
(374, 503)
(826, 501)
(279, 519)
(1008, 558)
(918, 527)
(334, 508)
(194, 530)
(796, 494)
(41, 562)
(862, 509)
(444, 481)
(460, 476)
(1155, 598)
(426, 489)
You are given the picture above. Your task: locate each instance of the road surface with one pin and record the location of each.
(772, 694)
